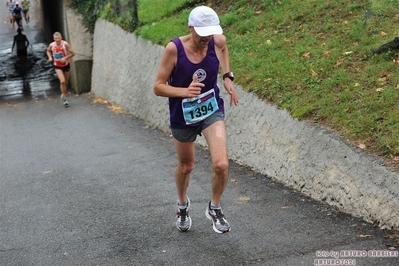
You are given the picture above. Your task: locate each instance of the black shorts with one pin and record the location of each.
(64, 69)
(189, 134)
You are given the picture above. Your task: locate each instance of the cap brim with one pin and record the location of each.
(208, 30)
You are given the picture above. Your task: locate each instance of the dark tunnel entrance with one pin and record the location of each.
(53, 18)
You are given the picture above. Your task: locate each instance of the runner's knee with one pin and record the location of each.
(186, 168)
(221, 166)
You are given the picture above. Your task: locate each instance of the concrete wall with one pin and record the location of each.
(303, 156)
(82, 43)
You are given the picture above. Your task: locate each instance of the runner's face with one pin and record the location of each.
(57, 39)
(201, 41)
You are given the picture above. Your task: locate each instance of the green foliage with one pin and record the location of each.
(310, 57)
(90, 10)
(120, 12)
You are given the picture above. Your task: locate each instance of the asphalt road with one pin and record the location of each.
(86, 185)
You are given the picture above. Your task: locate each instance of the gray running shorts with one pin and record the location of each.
(189, 134)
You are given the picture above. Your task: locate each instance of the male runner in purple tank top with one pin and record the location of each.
(188, 75)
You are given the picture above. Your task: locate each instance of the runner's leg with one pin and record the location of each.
(216, 138)
(61, 77)
(185, 155)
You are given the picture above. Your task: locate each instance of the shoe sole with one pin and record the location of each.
(213, 223)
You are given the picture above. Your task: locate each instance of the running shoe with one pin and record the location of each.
(64, 101)
(183, 219)
(220, 224)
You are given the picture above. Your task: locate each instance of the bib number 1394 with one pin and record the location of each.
(197, 109)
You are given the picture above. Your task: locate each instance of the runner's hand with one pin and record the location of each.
(195, 88)
(228, 85)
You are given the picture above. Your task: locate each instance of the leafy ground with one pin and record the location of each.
(310, 57)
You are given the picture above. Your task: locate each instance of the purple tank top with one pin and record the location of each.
(182, 76)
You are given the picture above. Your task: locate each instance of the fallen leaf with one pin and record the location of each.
(12, 105)
(396, 158)
(258, 12)
(326, 53)
(243, 200)
(339, 61)
(379, 89)
(269, 42)
(383, 33)
(306, 55)
(312, 72)
(345, 21)
(346, 53)
(361, 146)
(99, 100)
(117, 109)
(394, 235)
(364, 236)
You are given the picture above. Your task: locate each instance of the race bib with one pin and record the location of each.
(58, 56)
(197, 109)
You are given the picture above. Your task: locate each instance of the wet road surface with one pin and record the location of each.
(35, 79)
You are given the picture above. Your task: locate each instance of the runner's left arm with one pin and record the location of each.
(223, 55)
(71, 52)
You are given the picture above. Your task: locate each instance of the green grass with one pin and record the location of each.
(310, 57)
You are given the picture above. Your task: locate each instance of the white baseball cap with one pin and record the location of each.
(205, 21)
